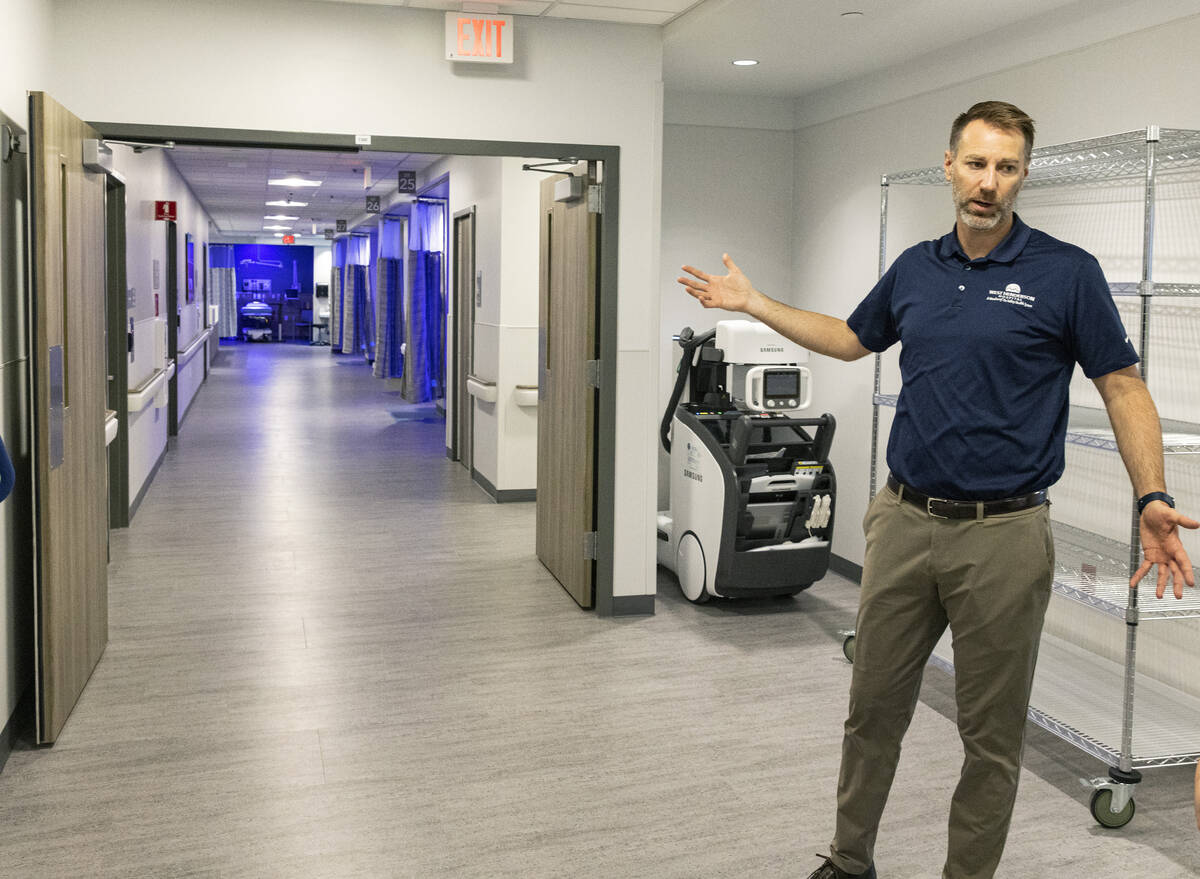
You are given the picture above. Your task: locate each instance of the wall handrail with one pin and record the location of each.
(194, 346)
(481, 389)
(141, 396)
(525, 395)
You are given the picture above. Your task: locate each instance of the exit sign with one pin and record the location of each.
(479, 38)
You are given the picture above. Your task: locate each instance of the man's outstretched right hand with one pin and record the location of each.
(732, 292)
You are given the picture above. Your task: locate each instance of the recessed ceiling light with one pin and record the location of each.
(745, 62)
(293, 181)
(287, 204)
(269, 228)
(280, 217)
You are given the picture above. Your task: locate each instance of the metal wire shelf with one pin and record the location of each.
(1118, 156)
(1075, 690)
(1090, 427)
(1136, 288)
(1094, 570)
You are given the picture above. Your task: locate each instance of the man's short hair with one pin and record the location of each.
(999, 114)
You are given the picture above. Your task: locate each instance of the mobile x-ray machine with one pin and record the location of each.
(752, 489)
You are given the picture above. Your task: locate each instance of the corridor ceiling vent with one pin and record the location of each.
(288, 203)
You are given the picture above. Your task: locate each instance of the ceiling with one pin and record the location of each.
(232, 184)
(847, 54)
(623, 11)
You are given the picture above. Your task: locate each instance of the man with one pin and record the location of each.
(993, 318)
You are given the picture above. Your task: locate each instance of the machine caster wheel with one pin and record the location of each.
(848, 649)
(792, 593)
(1101, 800)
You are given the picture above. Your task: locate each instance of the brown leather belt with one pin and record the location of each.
(941, 508)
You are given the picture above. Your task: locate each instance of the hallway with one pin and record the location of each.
(365, 672)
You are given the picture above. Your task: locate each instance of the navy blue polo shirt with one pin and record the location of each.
(989, 346)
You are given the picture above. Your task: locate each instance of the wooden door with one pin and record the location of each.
(464, 336)
(570, 259)
(68, 378)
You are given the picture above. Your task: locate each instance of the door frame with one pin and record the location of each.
(604, 474)
(118, 350)
(173, 308)
(463, 434)
(204, 324)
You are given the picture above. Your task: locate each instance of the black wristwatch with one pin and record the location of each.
(1155, 496)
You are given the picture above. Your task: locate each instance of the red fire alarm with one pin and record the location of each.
(164, 210)
(289, 239)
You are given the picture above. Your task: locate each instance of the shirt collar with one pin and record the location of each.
(1006, 251)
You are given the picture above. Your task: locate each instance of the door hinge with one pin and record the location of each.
(590, 546)
(11, 142)
(593, 373)
(595, 197)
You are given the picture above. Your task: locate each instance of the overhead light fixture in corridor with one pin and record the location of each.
(745, 62)
(293, 181)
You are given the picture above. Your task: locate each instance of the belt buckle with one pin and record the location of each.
(929, 502)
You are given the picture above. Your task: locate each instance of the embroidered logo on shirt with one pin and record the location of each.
(1012, 295)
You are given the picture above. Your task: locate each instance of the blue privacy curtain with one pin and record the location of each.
(389, 301)
(358, 308)
(425, 329)
(223, 271)
(336, 292)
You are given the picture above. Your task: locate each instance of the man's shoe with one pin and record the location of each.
(829, 870)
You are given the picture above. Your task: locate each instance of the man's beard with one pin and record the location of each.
(1001, 210)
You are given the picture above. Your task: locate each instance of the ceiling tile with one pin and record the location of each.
(608, 13)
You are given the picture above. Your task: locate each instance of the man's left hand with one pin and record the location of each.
(1159, 527)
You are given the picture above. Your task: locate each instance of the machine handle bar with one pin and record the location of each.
(689, 342)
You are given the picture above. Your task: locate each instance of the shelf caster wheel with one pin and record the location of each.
(848, 648)
(1103, 813)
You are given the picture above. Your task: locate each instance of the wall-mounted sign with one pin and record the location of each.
(479, 38)
(289, 239)
(407, 181)
(330, 233)
(164, 210)
(341, 225)
(372, 204)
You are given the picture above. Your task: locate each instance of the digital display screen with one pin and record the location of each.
(782, 384)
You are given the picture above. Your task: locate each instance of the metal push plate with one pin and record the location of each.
(56, 407)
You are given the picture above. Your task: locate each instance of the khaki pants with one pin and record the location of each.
(989, 579)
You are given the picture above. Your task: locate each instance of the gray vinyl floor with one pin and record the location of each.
(331, 655)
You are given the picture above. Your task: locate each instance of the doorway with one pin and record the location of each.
(603, 475)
